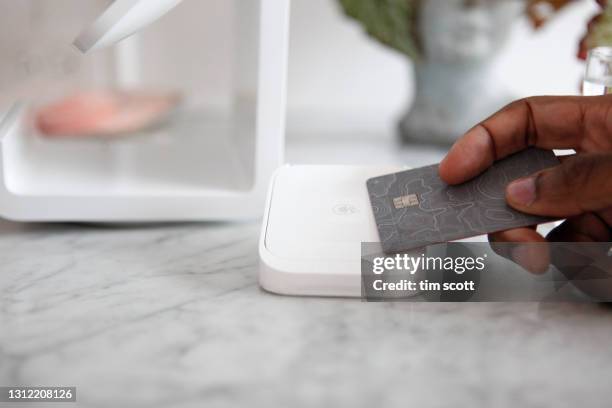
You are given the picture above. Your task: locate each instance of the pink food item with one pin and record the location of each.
(104, 113)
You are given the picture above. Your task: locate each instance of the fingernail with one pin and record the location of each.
(522, 191)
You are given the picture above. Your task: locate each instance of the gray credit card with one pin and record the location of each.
(415, 208)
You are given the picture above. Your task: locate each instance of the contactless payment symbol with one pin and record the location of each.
(345, 209)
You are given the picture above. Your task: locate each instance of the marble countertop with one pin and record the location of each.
(172, 316)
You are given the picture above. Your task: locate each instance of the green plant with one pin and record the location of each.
(599, 31)
(389, 21)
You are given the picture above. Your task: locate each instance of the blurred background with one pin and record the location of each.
(342, 82)
(342, 85)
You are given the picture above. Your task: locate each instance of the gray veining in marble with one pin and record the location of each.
(172, 316)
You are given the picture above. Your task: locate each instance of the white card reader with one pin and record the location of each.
(316, 218)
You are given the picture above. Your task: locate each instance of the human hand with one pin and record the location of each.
(579, 189)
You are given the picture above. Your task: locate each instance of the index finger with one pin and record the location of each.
(548, 122)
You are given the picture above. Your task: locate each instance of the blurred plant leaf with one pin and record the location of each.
(600, 30)
(389, 21)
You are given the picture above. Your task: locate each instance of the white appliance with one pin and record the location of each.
(208, 165)
(315, 221)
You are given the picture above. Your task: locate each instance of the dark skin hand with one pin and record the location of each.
(579, 189)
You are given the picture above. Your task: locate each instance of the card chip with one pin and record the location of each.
(409, 200)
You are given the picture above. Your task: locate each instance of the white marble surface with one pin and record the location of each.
(171, 316)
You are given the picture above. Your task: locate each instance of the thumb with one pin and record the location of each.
(581, 183)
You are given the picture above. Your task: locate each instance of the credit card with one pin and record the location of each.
(415, 208)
